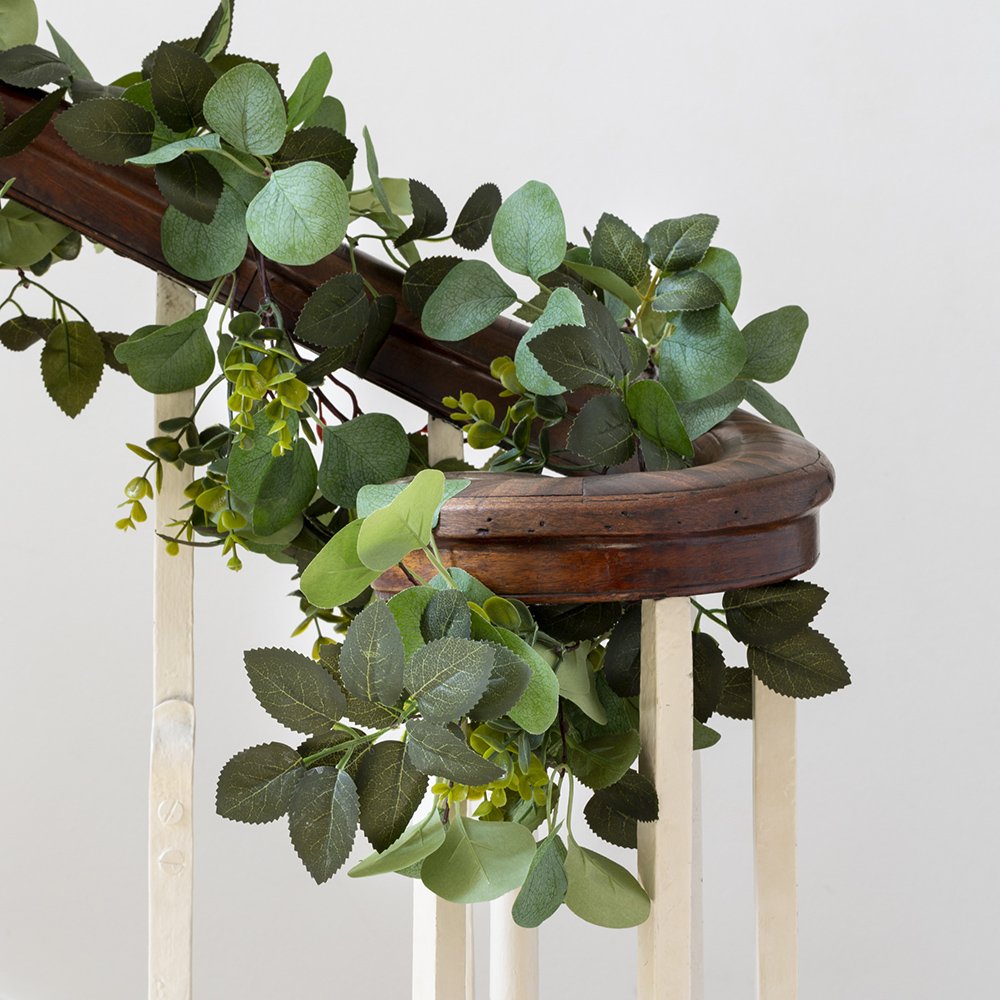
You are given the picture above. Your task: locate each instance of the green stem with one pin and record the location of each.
(709, 614)
(25, 280)
(239, 163)
(346, 745)
(431, 551)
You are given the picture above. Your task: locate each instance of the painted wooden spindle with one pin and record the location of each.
(697, 886)
(513, 954)
(774, 844)
(665, 847)
(443, 938)
(172, 743)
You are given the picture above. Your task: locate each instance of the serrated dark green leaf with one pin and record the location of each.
(180, 81)
(317, 143)
(440, 751)
(545, 885)
(323, 820)
(32, 66)
(602, 432)
(472, 228)
(709, 675)
(508, 680)
(257, 785)
(335, 314)
(371, 658)
(736, 699)
(448, 676)
(325, 363)
(192, 185)
(359, 711)
(107, 130)
(391, 790)
(18, 134)
(72, 365)
(806, 665)
(446, 614)
(294, 689)
(603, 892)
(21, 332)
(769, 408)
(381, 313)
(618, 248)
(429, 214)
(763, 615)
(575, 622)
(371, 448)
(773, 342)
(206, 251)
(657, 418)
(601, 760)
(686, 291)
(704, 352)
(422, 280)
(621, 657)
(614, 813)
(704, 736)
(575, 356)
(677, 244)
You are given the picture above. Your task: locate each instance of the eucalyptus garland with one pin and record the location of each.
(500, 710)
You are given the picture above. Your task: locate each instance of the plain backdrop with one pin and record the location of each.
(850, 150)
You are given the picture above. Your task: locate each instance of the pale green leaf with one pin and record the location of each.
(170, 151)
(724, 269)
(412, 847)
(336, 575)
(164, 359)
(607, 280)
(601, 891)
(27, 236)
(470, 297)
(206, 251)
(529, 231)
(656, 416)
(18, 23)
(768, 407)
(562, 308)
(246, 108)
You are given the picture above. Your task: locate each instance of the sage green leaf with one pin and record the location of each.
(172, 150)
(562, 308)
(294, 689)
(323, 820)
(336, 575)
(656, 416)
(602, 892)
(18, 23)
(391, 790)
(27, 236)
(300, 216)
(442, 752)
(381, 314)
(469, 297)
(164, 359)
(408, 608)
(618, 248)
(180, 81)
(709, 675)
(529, 231)
(507, 683)
(107, 130)
(429, 214)
(371, 448)
(32, 66)
(446, 614)
(371, 658)
(766, 405)
(602, 432)
(257, 785)
(705, 352)
(214, 39)
(621, 657)
(205, 251)
(607, 280)
(538, 707)
(545, 885)
(806, 665)
(23, 130)
(601, 760)
(391, 533)
(614, 813)
(773, 342)
(724, 269)
(422, 279)
(21, 332)
(329, 114)
(308, 93)
(736, 700)
(192, 185)
(575, 356)
(704, 736)
(677, 244)
(65, 50)
(417, 843)
(478, 861)
(764, 615)
(578, 684)
(72, 365)
(246, 108)
(472, 228)
(277, 488)
(325, 145)
(686, 291)
(448, 676)
(378, 186)
(335, 314)
(701, 415)
(243, 184)
(474, 590)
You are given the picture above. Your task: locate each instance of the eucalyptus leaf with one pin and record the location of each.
(701, 415)
(469, 297)
(246, 108)
(475, 221)
(805, 665)
(724, 269)
(336, 575)
(677, 244)
(172, 150)
(27, 236)
(323, 820)
(773, 342)
(107, 130)
(545, 884)
(257, 785)
(442, 752)
(371, 658)
(618, 248)
(529, 231)
(601, 891)
(374, 496)
(705, 352)
(578, 684)
(206, 251)
(391, 790)
(371, 448)
(657, 417)
(329, 114)
(413, 846)
(768, 407)
(164, 359)
(448, 676)
(408, 607)
(72, 365)
(18, 23)
(764, 615)
(538, 707)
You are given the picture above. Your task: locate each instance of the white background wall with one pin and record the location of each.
(851, 152)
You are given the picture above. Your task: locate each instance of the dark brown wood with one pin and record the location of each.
(746, 514)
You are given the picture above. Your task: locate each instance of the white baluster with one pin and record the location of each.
(774, 844)
(665, 847)
(513, 954)
(172, 743)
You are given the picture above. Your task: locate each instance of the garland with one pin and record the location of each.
(488, 701)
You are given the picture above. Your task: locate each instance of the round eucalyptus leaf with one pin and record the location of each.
(529, 231)
(206, 250)
(246, 108)
(18, 23)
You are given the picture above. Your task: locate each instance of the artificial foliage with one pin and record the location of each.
(448, 724)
